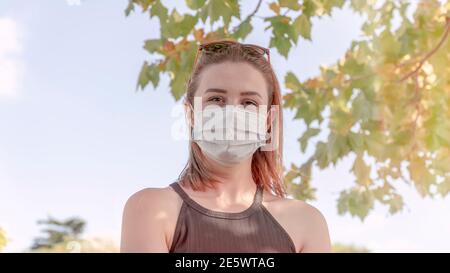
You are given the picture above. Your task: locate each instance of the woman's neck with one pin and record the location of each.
(237, 181)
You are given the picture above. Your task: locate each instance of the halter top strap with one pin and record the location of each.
(257, 199)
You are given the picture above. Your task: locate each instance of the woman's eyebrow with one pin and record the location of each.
(223, 91)
(250, 93)
(215, 90)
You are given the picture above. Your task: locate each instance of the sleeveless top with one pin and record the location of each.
(254, 230)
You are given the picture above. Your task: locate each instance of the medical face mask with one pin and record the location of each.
(229, 134)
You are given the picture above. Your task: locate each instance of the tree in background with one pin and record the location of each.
(67, 236)
(92, 245)
(3, 240)
(343, 248)
(57, 232)
(386, 101)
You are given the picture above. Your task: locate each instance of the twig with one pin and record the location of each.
(255, 11)
(250, 15)
(429, 54)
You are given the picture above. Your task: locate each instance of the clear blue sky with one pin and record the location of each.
(76, 139)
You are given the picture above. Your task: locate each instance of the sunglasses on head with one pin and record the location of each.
(251, 49)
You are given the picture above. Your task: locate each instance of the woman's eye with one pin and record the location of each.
(250, 102)
(215, 99)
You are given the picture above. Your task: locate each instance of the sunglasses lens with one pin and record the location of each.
(254, 51)
(215, 46)
(249, 49)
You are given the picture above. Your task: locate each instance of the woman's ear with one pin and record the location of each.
(272, 130)
(271, 115)
(189, 114)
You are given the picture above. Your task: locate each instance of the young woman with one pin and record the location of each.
(230, 197)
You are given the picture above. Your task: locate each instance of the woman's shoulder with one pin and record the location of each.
(306, 221)
(292, 206)
(152, 197)
(149, 209)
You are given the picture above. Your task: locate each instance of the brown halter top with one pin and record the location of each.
(254, 230)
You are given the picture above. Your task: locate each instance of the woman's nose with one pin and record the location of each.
(234, 101)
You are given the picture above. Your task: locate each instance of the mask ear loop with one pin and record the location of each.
(189, 118)
(262, 137)
(269, 134)
(191, 122)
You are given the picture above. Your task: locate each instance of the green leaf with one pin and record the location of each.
(321, 155)
(444, 187)
(187, 24)
(291, 81)
(243, 30)
(143, 77)
(310, 132)
(148, 73)
(216, 9)
(309, 8)
(188, 57)
(291, 4)
(178, 84)
(388, 46)
(153, 74)
(302, 26)
(152, 45)
(356, 142)
(144, 4)
(375, 145)
(357, 201)
(195, 4)
(441, 163)
(337, 147)
(330, 4)
(341, 121)
(303, 189)
(130, 7)
(159, 10)
(395, 204)
(362, 107)
(420, 175)
(359, 5)
(282, 27)
(180, 25)
(352, 67)
(283, 45)
(362, 171)
(403, 137)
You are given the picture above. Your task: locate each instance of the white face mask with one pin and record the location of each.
(229, 134)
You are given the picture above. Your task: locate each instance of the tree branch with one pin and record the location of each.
(255, 11)
(250, 15)
(431, 53)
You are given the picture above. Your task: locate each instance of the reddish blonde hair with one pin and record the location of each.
(267, 166)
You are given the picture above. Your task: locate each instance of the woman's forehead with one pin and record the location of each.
(232, 77)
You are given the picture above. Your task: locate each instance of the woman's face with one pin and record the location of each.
(231, 83)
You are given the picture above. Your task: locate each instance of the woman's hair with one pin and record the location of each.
(267, 167)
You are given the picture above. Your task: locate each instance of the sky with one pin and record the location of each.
(77, 139)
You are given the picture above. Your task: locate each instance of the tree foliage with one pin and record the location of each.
(57, 232)
(77, 245)
(348, 248)
(3, 240)
(386, 101)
